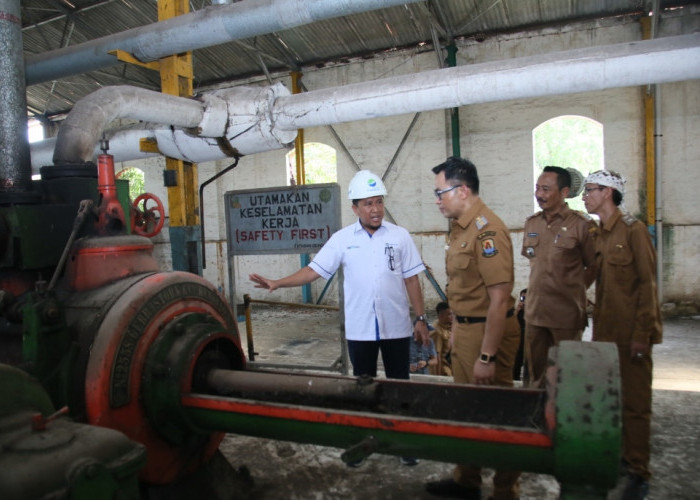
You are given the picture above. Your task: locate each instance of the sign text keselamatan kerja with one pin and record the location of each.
(297, 219)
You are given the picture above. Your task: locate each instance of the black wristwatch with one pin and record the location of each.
(419, 318)
(486, 358)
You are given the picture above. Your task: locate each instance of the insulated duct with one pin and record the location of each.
(89, 117)
(213, 25)
(260, 119)
(221, 124)
(662, 60)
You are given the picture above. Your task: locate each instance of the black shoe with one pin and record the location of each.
(451, 489)
(636, 488)
(409, 461)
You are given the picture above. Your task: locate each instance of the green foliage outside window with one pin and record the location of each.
(136, 180)
(319, 163)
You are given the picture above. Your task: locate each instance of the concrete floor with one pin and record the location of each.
(281, 469)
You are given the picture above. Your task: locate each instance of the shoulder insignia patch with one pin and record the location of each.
(481, 222)
(628, 218)
(486, 234)
(488, 247)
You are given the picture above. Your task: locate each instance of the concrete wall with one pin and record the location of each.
(497, 137)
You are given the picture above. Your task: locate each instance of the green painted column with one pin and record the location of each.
(454, 112)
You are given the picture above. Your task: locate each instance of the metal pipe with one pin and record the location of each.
(571, 430)
(581, 70)
(294, 304)
(15, 168)
(262, 119)
(213, 25)
(658, 171)
(80, 131)
(201, 207)
(123, 145)
(658, 187)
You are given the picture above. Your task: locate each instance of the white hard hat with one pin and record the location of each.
(365, 184)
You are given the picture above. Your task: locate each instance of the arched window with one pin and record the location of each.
(136, 180)
(571, 142)
(320, 164)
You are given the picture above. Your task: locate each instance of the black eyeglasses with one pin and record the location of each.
(586, 191)
(389, 250)
(440, 192)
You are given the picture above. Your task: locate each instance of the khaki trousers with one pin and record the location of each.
(465, 352)
(538, 340)
(636, 375)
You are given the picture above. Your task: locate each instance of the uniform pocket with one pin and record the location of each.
(621, 262)
(622, 256)
(461, 260)
(566, 243)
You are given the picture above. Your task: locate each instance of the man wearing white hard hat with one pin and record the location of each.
(626, 312)
(380, 269)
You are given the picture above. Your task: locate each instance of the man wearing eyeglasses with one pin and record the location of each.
(485, 332)
(559, 244)
(626, 312)
(381, 265)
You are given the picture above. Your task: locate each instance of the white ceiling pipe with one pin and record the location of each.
(250, 128)
(213, 25)
(227, 122)
(90, 116)
(582, 70)
(123, 145)
(260, 118)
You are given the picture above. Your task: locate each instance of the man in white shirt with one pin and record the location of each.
(380, 268)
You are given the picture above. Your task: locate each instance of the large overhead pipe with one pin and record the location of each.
(261, 119)
(15, 174)
(213, 25)
(89, 117)
(662, 60)
(210, 128)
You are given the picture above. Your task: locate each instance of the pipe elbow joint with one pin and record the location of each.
(215, 117)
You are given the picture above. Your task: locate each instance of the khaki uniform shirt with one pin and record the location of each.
(441, 339)
(479, 254)
(558, 253)
(626, 306)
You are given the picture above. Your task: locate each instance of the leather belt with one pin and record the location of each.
(479, 319)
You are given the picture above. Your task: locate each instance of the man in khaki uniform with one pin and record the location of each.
(485, 332)
(441, 333)
(626, 312)
(559, 244)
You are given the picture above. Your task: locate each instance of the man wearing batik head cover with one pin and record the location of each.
(627, 313)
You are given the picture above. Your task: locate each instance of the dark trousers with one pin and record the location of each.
(395, 356)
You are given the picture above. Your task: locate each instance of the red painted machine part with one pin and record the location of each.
(165, 462)
(474, 433)
(96, 262)
(147, 221)
(110, 212)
